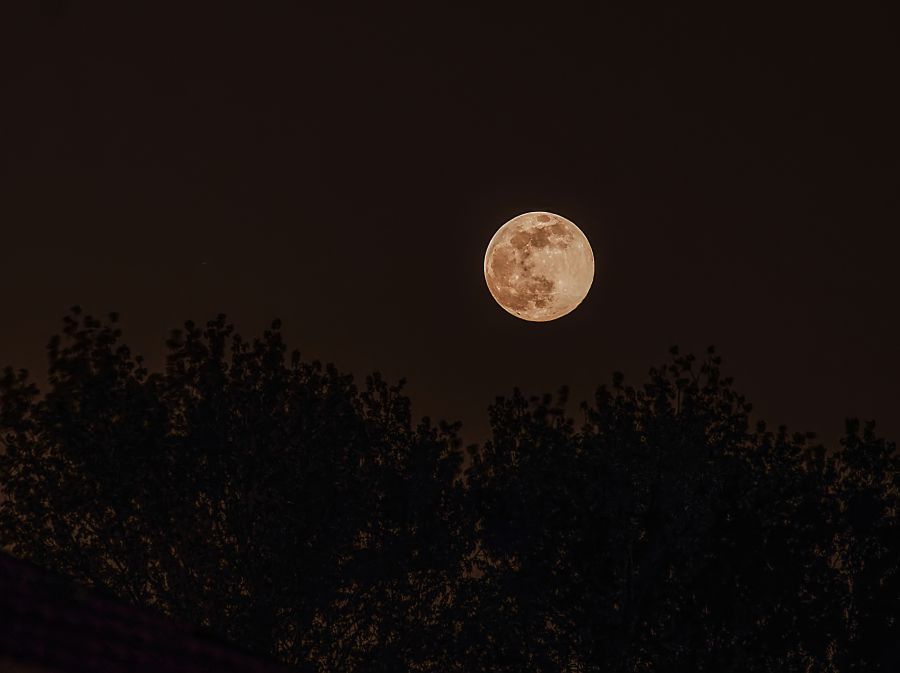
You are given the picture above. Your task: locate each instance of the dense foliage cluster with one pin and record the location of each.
(279, 505)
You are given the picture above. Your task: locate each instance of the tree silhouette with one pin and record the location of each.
(273, 502)
(268, 500)
(666, 535)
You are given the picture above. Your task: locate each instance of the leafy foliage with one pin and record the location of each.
(270, 501)
(273, 502)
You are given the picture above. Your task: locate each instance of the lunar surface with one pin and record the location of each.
(539, 266)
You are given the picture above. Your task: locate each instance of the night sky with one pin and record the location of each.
(736, 174)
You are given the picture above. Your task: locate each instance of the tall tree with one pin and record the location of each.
(666, 534)
(261, 496)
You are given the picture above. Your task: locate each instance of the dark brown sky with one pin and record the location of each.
(736, 173)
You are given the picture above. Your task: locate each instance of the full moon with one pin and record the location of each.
(539, 266)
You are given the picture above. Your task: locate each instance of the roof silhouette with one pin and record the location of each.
(54, 625)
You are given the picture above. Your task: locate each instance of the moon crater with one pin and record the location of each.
(539, 266)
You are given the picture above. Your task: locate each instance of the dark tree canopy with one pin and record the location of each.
(275, 503)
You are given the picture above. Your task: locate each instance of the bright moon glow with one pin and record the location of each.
(539, 266)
